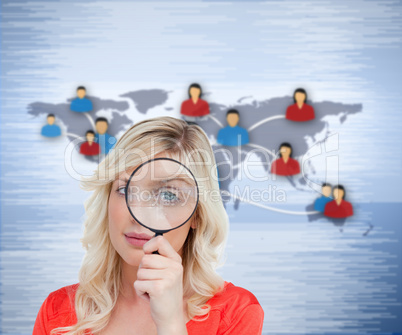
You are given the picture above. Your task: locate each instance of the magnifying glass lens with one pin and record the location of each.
(162, 194)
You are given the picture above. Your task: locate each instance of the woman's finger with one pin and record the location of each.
(153, 261)
(153, 288)
(150, 274)
(141, 290)
(162, 245)
(158, 262)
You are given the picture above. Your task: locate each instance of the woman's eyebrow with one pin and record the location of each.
(189, 181)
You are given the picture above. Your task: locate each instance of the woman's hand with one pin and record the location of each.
(160, 281)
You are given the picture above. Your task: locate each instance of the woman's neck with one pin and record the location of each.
(128, 277)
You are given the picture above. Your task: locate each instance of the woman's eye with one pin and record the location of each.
(168, 196)
(121, 190)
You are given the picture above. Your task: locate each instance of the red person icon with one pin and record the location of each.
(285, 165)
(300, 111)
(90, 148)
(338, 208)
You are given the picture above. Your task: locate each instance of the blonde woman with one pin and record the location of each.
(127, 289)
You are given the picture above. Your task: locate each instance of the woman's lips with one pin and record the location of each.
(137, 240)
(140, 236)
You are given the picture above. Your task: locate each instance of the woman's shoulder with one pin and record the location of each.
(293, 161)
(232, 296)
(234, 310)
(57, 310)
(61, 301)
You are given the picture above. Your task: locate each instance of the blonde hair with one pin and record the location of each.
(100, 273)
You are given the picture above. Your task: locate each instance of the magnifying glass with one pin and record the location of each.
(162, 195)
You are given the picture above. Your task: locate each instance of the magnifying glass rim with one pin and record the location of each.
(159, 231)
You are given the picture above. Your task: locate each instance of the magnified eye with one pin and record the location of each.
(169, 196)
(122, 190)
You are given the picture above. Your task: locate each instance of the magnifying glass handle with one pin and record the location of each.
(157, 234)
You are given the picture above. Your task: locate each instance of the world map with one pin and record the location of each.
(264, 120)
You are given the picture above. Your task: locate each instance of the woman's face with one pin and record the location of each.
(338, 194)
(300, 97)
(195, 92)
(285, 152)
(121, 222)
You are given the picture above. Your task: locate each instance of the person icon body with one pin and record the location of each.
(300, 111)
(194, 108)
(51, 129)
(339, 207)
(233, 135)
(319, 204)
(90, 148)
(105, 141)
(285, 165)
(81, 104)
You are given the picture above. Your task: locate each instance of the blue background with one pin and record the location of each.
(310, 276)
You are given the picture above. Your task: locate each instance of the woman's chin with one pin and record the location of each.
(133, 258)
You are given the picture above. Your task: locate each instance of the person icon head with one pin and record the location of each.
(285, 151)
(339, 193)
(50, 119)
(90, 136)
(81, 92)
(300, 96)
(232, 117)
(195, 91)
(326, 190)
(101, 125)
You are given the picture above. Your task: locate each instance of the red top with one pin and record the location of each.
(189, 108)
(234, 311)
(294, 113)
(334, 210)
(289, 168)
(90, 150)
